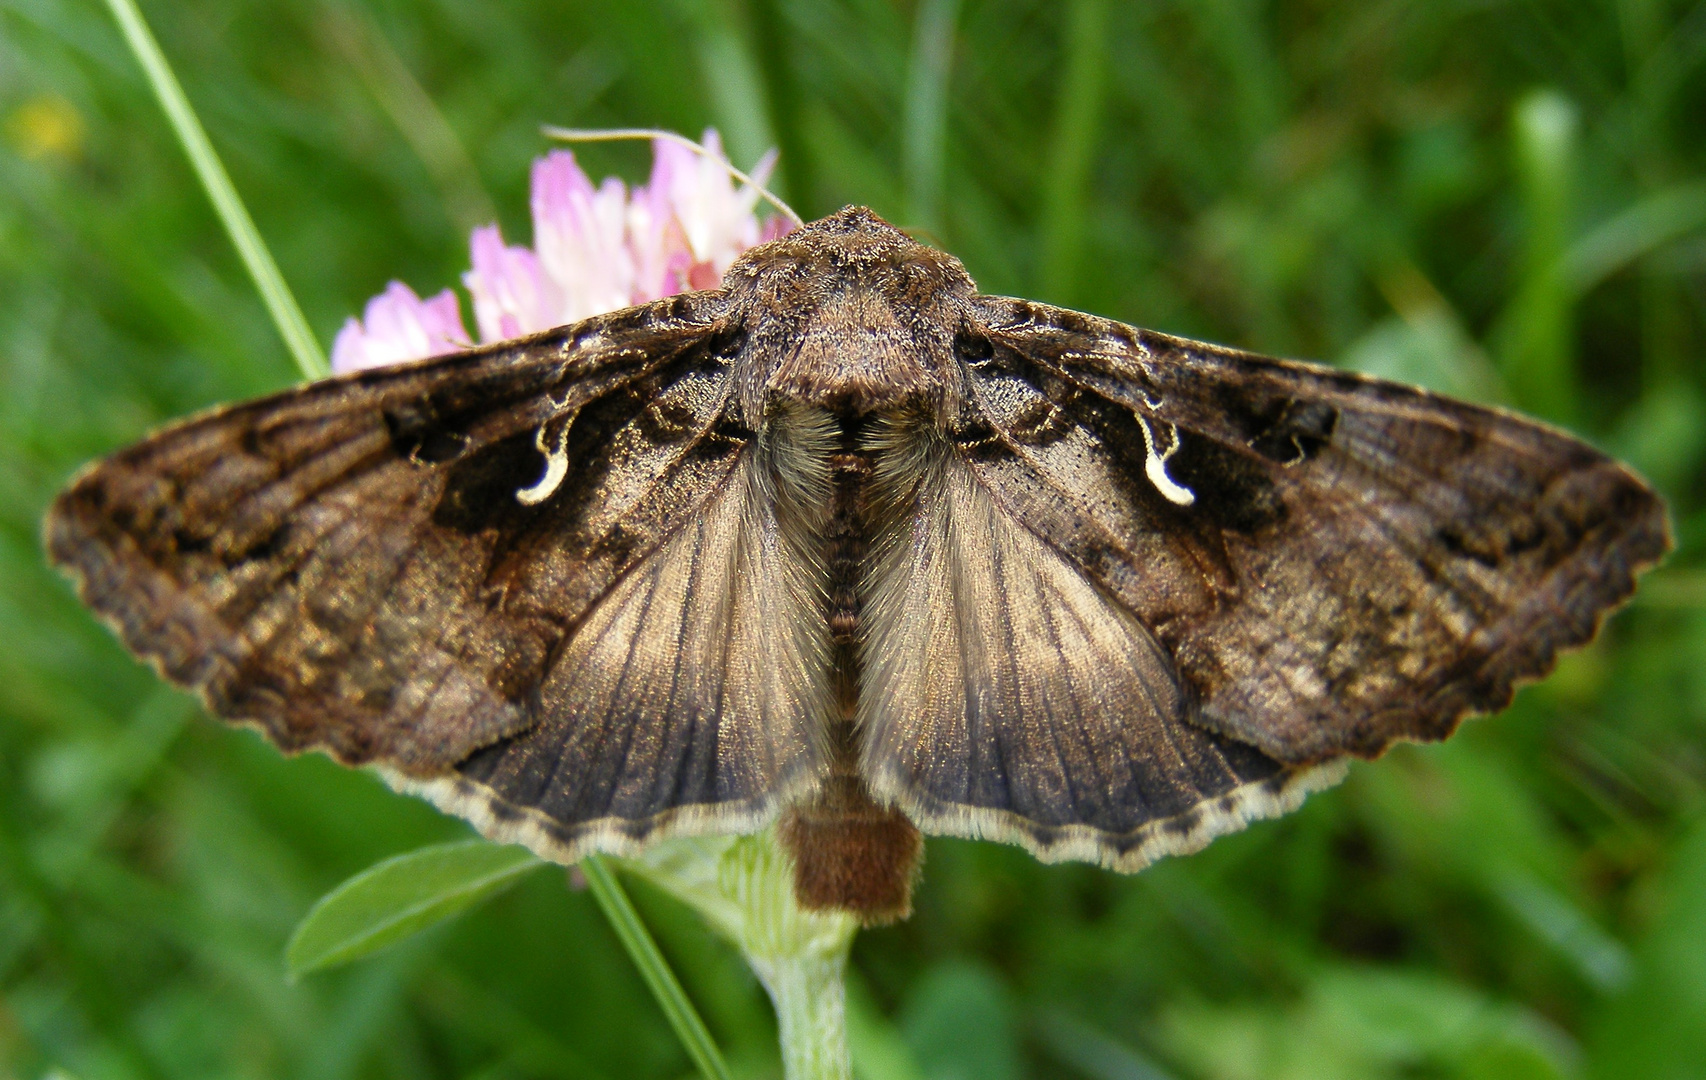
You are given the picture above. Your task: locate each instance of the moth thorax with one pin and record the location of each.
(854, 351)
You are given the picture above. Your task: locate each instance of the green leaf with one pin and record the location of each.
(1355, 1023)
(401, 896)
(1657, 1030)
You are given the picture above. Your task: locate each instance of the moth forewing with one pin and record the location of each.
(847, 545)
(1468, 546)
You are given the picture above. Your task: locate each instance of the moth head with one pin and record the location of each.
(848, 313)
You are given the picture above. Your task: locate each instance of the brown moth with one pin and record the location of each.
(848, 546)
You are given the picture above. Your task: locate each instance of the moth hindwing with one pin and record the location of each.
(846, 545)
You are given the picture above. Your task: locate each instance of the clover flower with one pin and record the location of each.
(595, 249)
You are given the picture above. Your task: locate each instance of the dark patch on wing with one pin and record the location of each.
(725, 437)
(419, 434)
(1280, 428)
(972, 348)
(667, 421)
(1232, 491)
(1232, 487)
(979, 441)
(479, 491)
(1298, 433)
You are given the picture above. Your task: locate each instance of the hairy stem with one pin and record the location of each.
(810, 996)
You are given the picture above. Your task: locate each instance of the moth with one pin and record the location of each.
(846, 546)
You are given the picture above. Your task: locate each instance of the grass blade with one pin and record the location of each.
(1642, 228)
(654, 968)
(927, 111)
(733, 77)
(1536, 332)
(1076, 122)
(363, 45)
(298, 338)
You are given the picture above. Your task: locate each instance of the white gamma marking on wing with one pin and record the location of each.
(1155, 466)
(556, 467)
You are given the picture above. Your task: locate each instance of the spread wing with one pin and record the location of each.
(1330, 562)
(1148, 589)
(461, 570)
(1006, 695)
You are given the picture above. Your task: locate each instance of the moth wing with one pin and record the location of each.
(349, 567)
(1330, 562)
(691, 698)
(1005, 695)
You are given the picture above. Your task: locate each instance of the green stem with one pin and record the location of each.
(810, 996)
(654, 969)
(286, 315)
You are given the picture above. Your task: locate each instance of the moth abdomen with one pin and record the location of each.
(852, 855)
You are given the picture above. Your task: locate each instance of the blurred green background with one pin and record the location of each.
(1503, 200)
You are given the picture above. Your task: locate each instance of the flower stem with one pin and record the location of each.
(810, 996)
(286, 315)
(654, 969)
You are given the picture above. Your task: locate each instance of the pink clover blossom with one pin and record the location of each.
(595, 249)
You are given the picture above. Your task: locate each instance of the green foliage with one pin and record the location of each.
(959, 1020)
(1362, 1025)
(1506, 201)
(399, 898)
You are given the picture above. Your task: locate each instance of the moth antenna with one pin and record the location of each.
(621, 134)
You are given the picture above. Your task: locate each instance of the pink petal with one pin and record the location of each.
(703, 276)
(396, 326)
(654, 237)
(761, 172)
(349, 348)
(509, 291)
(715, 216)
(581, 237)
(441, 318)
(690, 222)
